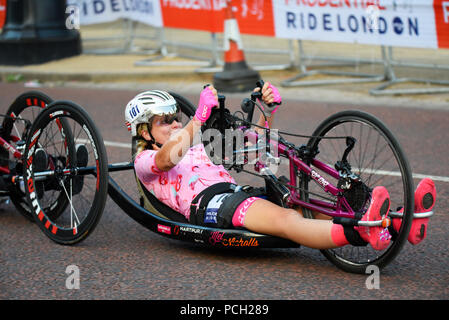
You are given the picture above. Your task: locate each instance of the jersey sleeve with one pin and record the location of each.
(145, 166)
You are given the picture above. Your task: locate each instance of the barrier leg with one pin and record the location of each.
(155, 61)
(390, 75)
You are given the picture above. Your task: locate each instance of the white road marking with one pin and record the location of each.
(415, 175)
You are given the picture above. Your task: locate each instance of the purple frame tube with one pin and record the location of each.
(340, 209)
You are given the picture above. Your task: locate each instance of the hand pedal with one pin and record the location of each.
(281, 191)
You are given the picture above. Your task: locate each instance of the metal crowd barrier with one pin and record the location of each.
(393, 80)
(349, 77)
(125, 35)
(161, 47)
(213, 63)
(388, 75)
(300, 60)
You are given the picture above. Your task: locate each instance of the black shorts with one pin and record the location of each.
(221, 209)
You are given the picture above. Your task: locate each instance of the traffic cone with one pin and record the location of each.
(236, 75)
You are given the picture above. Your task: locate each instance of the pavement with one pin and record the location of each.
(185, 75)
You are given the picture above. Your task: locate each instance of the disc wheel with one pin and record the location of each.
(378, 160)
(77, 169)
(20, 115)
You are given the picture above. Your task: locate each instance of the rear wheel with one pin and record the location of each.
(378, 159)
(20, 115)
(77, 169)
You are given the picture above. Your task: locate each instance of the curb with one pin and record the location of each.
(53, 76)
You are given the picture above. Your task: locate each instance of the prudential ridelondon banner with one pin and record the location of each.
(408, 23)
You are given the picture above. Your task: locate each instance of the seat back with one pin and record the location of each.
(149, 200)
(152, 204)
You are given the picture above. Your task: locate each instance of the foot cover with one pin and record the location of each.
(377, 237)
(425, 196)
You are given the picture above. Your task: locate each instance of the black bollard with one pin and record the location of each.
(35, 32)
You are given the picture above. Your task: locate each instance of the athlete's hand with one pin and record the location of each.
(270, 94)
(208, 100)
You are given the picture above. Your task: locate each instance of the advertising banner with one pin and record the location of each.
(407, 23)
(253, 16)
(194, 15)
(442, 22)
(101, 11)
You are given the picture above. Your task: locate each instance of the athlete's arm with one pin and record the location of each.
(174, 150)
(270, 94)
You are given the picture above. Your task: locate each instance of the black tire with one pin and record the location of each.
(379, 160)
(84, 185)
(26, 106)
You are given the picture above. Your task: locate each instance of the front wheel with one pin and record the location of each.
(377, 158)
(74, 162)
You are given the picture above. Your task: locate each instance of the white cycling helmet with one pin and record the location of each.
(146, 105)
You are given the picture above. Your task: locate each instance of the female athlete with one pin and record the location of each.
(178, 174)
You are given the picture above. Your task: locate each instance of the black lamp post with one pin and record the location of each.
(35, 31)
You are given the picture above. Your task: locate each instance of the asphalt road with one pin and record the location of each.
(123, 260)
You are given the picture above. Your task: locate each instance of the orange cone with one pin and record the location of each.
(236, 75)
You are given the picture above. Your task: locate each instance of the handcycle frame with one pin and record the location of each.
(300, 158)
(13, 151)
(341, 212)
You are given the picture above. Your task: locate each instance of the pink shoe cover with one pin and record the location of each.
(378, 237)
(425, 196)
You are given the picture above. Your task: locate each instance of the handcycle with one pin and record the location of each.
(348, 154)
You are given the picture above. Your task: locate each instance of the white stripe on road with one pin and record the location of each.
(109, 143)
(381, 172)
(415, 175)
(117, 144)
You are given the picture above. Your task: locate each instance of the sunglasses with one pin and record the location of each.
(168, 119)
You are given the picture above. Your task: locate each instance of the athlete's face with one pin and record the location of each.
(163, 127)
